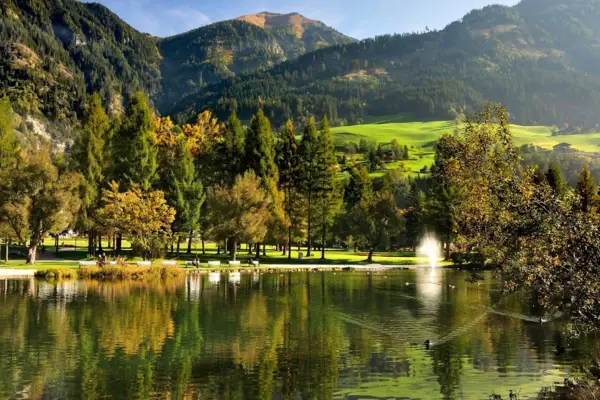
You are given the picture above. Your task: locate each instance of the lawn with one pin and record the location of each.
(68, 257)
(420, 137)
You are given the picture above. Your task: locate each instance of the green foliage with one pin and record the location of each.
(240, 213)
(134, 149)
(187, 193)
(555, 179)
(89, 157)
(375, 220)
(586, 189)
(260, 149)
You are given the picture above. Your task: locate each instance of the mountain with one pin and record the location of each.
(540, 57)
(54, 52)
(205, 56)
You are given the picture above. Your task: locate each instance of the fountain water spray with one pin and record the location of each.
(429, 248)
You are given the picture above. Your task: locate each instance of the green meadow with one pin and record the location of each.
(421, 137)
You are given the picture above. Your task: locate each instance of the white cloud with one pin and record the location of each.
(185, 19)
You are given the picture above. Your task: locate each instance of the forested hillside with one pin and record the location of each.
(53, 53)
(225, 49)
(541, 58)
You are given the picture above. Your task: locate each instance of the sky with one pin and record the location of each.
(356, 18)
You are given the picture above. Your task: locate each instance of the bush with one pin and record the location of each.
(56, 273)
(134, 273)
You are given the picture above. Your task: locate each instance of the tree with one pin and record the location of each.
(375, 220)
(442, 212)
(10, 158)
(134, 146)
(310, 169)
(240, 213)
(41, 201)
(555, 179)
(359, 184)
(290, 177)
(415, 216)
(145, 217)
(260, 152)
(187, 195)
(327, 190)
(89, 159)
(233, 148)
(586, 189)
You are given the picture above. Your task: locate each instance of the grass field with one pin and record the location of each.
(69, 256)
(420, 137)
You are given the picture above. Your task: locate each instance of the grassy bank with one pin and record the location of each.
(420, 137)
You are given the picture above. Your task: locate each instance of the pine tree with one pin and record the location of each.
(234, 147)
(290, 175)
(187, 194)
(8, 144)
(555, 179)
(327, 169)
(310, 167)
(134, 149)
(260, 152)
(586, 189)
(89, 160)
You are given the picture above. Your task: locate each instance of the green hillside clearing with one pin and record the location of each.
(421, 137)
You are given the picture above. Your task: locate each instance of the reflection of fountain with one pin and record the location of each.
(430, 249)
(214, 278)
(235, 277)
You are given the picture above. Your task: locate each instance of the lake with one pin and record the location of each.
(322, 335)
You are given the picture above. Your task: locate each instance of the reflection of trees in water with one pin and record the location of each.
(282, 335)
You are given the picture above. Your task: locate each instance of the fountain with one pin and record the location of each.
(429, 248)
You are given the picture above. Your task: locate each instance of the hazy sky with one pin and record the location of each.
(357, 18)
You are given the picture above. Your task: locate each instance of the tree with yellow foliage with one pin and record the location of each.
(143, 216)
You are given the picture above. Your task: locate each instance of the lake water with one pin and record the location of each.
(320, 335)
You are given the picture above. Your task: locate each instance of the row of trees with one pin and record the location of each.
(157, 184)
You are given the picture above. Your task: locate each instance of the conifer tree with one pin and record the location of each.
(310, 171)
(327, 192)
(586, 189)
(231, 152)
(134, 149)
(290, 176)
(555, 179)
(260, 152)
(187, 193)
(89, 160)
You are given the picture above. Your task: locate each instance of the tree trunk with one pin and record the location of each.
(91, 248)
(56, 244)
(257, 250)
(284, 249)
(309, 248)
(249, 248)
(6, 253)
(323, 241)
(203, 249)
(233, 249)
(290, 243)
(31, 253)
(100, 244)
(218, 249)
(448, 246)
(370, 258)
(119, 242)
(178, 244)
(189, 249)
(264, 250)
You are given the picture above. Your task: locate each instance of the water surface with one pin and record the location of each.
(320, 335)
